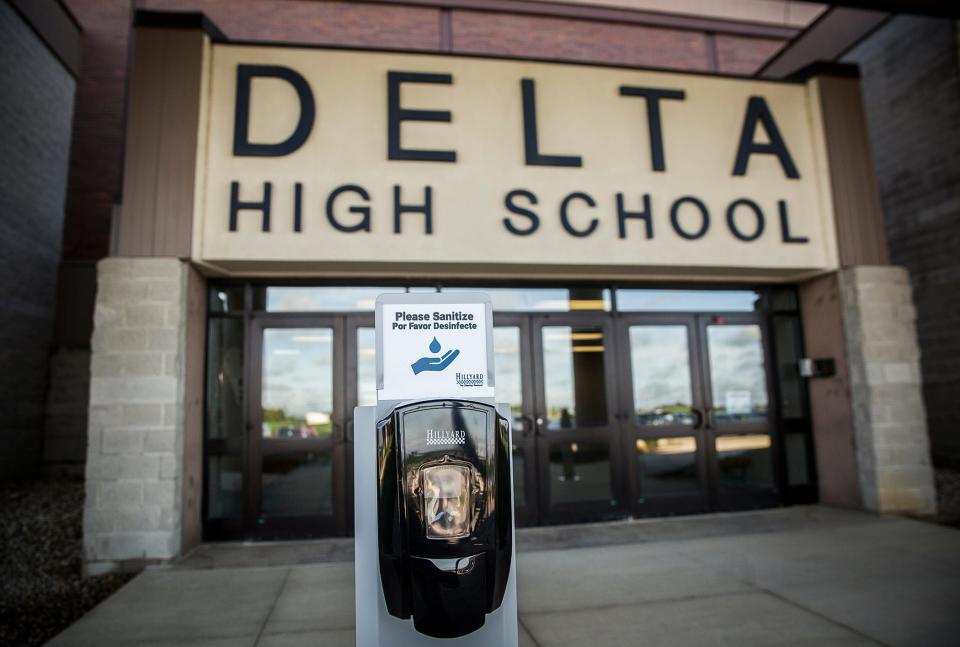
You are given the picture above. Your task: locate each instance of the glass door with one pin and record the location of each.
(296, 431)
(513, 378)
(664, 439)
(576, 431)
(697, 413)
(739, 411)
(361, 390)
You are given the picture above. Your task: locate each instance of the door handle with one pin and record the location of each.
(529, 425)
(697, 418)
(538, 429)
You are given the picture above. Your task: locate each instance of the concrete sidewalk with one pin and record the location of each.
(797, 576)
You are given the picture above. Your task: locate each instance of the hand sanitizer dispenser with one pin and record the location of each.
(434, 523)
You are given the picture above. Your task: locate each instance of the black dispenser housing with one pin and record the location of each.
(445, 514)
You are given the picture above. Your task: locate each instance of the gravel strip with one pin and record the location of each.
(42, 591)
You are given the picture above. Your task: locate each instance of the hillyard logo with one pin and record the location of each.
(446, 437)
(470, 379)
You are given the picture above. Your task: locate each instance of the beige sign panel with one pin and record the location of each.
(328, 161)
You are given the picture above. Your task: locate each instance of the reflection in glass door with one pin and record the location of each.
(297, 430)
(513, 380)
(224, 440)
(361, 383)
(687, 427)
(738, 411)
(699, 425)
(664, 445)
(650, 410)
(575, 426)
(366, 340)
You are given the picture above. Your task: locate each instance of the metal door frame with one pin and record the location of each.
(525, 441)
(640, 505)
(721, 500)
(585, 511)
(704, 429)
(352, 322)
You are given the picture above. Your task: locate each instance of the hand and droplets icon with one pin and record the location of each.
(429, 363)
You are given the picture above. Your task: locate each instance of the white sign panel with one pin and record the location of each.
(434, 350)
(737, 402)
(312, 157)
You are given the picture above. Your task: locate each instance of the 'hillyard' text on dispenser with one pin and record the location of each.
(434, 515)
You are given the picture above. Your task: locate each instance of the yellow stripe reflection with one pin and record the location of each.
(588, 349)
(738, 443)
(586, 304)
(582, 336)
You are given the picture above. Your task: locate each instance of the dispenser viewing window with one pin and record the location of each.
(447, 501)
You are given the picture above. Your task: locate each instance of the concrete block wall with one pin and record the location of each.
(137, 413)
(889, 418)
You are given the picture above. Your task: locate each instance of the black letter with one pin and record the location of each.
(566, 222)
(241, 143)
(732, 221)
(785, 226)
(704, 215)
(520, 211)
(652, 98)
(623, 214)
(297, 206)
(396, 115)
(426, 209)
(236, 205)
(364, 223)
(531, 146)
(758, 111)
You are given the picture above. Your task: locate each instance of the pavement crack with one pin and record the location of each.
(822, 616)
(524, 626)
(672, 600)
(273, 605)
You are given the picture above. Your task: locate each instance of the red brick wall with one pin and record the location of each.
(317, 23)
(740, 55)
(97, 142)
(578, 40)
